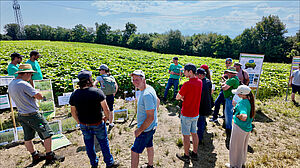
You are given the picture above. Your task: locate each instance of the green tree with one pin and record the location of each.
(102, 32)
(82, 34)
(203, 44)
(130, 29)
(270, 38)
(62, 34)
(115, 37)
(13, 30)
(175, 42)
(46, 32)
(246, 42)
(223, 47)
(32, 32)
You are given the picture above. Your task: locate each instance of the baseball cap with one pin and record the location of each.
(103, 66)
(204, 66)
(15, 54)
(238, 63)
(175, 58)
(201, 71)
(228, 59)
(34, 52)
(138, 72)
(84, 74)
(242, 89)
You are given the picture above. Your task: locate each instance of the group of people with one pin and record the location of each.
(88, 102)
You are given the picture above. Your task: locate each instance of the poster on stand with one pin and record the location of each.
(4, 102)
(252, 63)
(295, 63)
(46, 105)
(5, 80)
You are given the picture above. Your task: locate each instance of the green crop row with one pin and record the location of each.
(61, 62)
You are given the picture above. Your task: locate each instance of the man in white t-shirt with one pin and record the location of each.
(295, 83)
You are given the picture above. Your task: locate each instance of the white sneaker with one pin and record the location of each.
(227, 165)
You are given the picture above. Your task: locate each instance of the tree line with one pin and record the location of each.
(266, 37)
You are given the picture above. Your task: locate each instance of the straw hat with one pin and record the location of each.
(25, 68)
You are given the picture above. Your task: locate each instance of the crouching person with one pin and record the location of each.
(147, 107)
(86, 104)
(24, 96)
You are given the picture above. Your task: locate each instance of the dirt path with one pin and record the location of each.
(274, 141)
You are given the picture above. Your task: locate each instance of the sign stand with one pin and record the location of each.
(295, 63)
(135, 107)
(13, 118)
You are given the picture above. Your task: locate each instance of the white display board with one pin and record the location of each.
(295, 63)
(252, 63)
(4, 102)
(64, 100)
(5, 80)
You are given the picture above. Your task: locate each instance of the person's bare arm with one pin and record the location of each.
(179, 97)
(95, 83)
(225, 87)
(242, 117)
(38, 96)
(74, 113)
(158, 102)
(117, 87)
(146, 123)
(291, 79)
(106, 110)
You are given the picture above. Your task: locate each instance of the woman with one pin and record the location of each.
(205, 67)
(109, 86)
(244, 113)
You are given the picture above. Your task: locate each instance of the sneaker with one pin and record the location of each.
(147, 166)
(194, 156)
(213, 120)
(227, 165)
(37, 157)
(183, 157)
(51, 158)
(115, 164)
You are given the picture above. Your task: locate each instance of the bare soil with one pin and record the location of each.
(273, 143)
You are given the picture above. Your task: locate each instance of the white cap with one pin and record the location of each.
(242, 89)
(139, 73)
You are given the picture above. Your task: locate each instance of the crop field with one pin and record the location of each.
(61, 62)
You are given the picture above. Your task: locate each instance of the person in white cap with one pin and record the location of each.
(244, 113)
(110, 87)
(147, 107)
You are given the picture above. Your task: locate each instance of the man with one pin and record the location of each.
(147, 107)
(86, 104)
(205, 103)
(242, 74)
(295, 84)
(34, 56)
(220, 99)
(231, 83)
(190, 94)
(175, 74)
(13, 67)
(24, 96)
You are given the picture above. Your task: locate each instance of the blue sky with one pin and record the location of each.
(223, 17)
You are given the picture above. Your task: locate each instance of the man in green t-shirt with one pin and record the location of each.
(175, 73)
(34, 55)
(13, 67)
(231, 83)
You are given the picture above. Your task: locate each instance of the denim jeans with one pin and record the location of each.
(101, 134)
(220, 100)
(170, 83)
(228, 113)
(201, 124)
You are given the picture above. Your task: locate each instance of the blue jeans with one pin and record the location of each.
(101, 134)
(201, 124)
(228, 113)
(170, 83)
(220, 100)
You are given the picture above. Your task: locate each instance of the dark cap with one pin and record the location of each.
(201, 71)
(103, 66)
(84, 74)
(175, 58)
(13, 55)
(190, 67)
(237, 63)
(34, 52)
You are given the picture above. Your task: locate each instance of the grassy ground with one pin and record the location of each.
(275, 140)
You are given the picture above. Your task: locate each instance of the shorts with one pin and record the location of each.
(35, 123)
(188, 125)
(295, 89)
(144, 140)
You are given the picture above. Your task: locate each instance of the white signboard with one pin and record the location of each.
(5, 80)
(252, 63)
(4, 102)
(63, 100)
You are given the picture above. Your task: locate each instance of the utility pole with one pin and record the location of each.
(18, 16)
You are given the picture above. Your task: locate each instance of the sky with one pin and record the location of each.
(223, 17)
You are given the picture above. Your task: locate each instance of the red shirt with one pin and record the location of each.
(191, 90)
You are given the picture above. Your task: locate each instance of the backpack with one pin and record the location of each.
(108, 86)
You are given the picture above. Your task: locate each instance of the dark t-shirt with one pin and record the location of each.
(87, 103)
(205, 103)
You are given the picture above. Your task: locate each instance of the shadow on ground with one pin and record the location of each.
(261, 117)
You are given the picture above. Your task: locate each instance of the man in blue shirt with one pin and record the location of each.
(34, 56)
(147, 107)
(13, 67)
